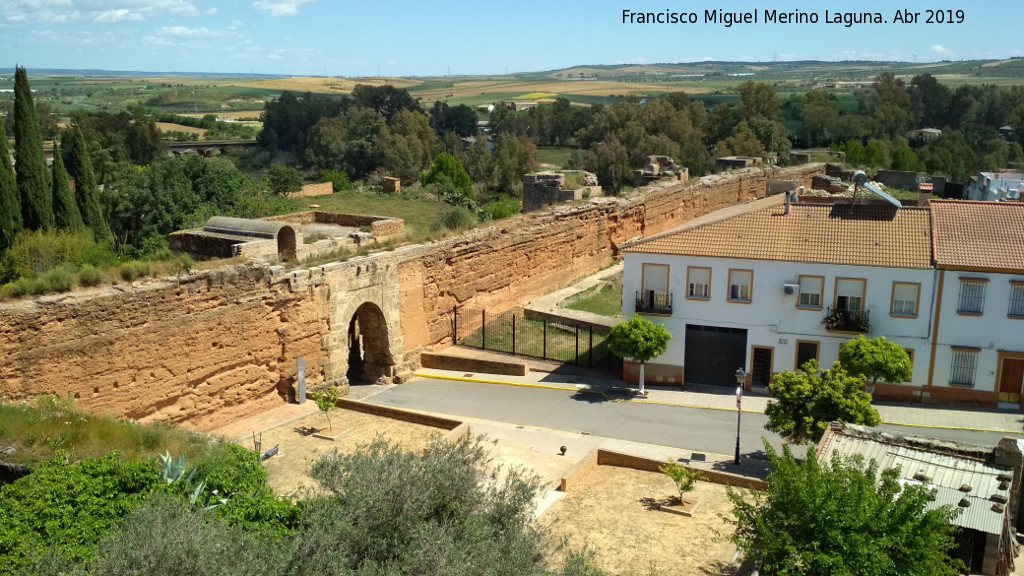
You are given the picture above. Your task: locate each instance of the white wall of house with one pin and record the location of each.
(985, 334)
(773, 319)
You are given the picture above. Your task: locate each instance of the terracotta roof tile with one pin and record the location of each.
(979, 235)
(863, 235)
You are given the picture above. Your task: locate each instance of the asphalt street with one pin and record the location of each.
(696, 429)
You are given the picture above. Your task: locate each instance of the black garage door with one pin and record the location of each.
(713, 354)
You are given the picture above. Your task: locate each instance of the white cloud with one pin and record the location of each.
(280, 7)
(119, 15)
(938, 49)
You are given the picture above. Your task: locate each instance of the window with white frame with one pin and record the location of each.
(655, 278)
(739, 285)
(904, 298)
(965, 363)
(698, 282)
(1016, 300)
(972, 296)
(810, 292)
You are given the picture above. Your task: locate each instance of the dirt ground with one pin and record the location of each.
(288, 472)
(612, 513)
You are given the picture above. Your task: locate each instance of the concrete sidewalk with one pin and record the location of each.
(717, 398)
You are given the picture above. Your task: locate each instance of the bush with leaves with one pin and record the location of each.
(68, 506)
(456, 219)
(390, 511)
(842, 517)
(804, 402)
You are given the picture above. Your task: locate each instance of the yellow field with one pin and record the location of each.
(168, 127)
(552, 87)
(230, 114)
(537, 95)
(299, 84)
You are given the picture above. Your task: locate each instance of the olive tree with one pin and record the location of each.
(640, 340)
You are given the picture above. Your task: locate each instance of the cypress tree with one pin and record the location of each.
(10, 201)
(87, 193)
(65, 211)
(36, 200)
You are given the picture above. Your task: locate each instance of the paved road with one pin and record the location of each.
(696, 429)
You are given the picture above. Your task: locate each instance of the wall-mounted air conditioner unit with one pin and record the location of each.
(790, 289)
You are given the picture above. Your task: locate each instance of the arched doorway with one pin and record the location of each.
(286, 243)
(369, 354)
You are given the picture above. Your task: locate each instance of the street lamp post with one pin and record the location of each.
(741, 381)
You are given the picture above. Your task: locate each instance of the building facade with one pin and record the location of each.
(769, 289)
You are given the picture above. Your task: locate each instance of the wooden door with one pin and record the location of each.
(1010, 380)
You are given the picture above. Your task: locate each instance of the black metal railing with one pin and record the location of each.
(559, 340)
(844, 320)
(653, 302)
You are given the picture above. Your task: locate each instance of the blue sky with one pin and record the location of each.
(405, 38)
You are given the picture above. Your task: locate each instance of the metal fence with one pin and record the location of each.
(511, 332)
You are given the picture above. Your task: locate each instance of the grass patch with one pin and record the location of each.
(36, 430)
(540, 339)
(554, 155)
(412, 205)
(605, 299)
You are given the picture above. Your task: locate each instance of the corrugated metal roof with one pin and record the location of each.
(945, 473)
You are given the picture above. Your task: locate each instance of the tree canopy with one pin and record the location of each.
(638, 339)
(10, 198)
(804, 402)
(36, 197)
(876, 359)
(842, 517)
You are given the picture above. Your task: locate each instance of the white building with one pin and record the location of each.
(766, 290)
(997, 187)
(978, 343)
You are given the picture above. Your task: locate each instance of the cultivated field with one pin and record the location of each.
(529, 89)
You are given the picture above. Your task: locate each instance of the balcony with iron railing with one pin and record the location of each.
(846, 320)
(653, 302)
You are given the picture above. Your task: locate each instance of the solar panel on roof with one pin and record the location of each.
(877, 192)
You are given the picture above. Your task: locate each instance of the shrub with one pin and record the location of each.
(20, 287)
(573, 181)
(60, 279)
(89, 276)
(68, 506)
(38, 286)
(130, 271)
(504, 207)
(337, 178)
(36, 253)
(457, 218)
(99, 255)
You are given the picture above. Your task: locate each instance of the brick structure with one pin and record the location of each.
(660, 168)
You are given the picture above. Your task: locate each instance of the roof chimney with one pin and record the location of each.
(789, 199)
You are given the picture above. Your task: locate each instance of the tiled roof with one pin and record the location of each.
(863, 235)
(979, 235)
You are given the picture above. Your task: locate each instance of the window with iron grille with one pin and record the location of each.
(964, 364)
(1016, 299)
(972, 297)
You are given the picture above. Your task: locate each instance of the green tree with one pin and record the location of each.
(876, 359)
(684, 478)
(804, 402)
(327, 400)
(446, 166)
(283, 179)
(10, 199)
(65, 210)
(640, 340)
(759, 99)
(87, 191)
(842, 517)
(513, 157)
(36, 199)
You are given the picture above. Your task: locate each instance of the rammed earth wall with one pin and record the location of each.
(204, 350)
